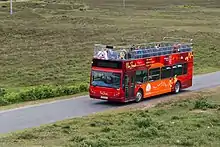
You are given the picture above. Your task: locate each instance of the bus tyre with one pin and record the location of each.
(139, 96)
(177, 87)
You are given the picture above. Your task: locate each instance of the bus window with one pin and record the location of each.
(154, 74)
(166, 72)
(106, 79)
(126, 80)
(141, 76)
(177, 69)
(185, 68)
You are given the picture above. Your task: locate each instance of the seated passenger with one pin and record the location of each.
(122, 54)
(110, 54)
(132, 48)
(102, 54)
(157, 46)
(176, 48)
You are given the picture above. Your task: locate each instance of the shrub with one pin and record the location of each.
(149, 132)
(2, 91)
(203, 104)
(144, 122)
(3, 102)
(39, 92)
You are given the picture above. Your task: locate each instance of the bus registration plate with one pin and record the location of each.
(104, 97)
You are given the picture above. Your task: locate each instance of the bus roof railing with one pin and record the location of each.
(142, 50)
(176, 38)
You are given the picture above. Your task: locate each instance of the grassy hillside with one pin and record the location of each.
(51, 42)
(186, 122)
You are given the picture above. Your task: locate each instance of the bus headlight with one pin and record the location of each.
(117, 93)
(91, 91)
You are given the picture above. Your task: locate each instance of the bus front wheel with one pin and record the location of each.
(139, 96)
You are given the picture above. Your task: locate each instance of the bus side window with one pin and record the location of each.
(141, 76)
(185, 68)
(166, 72)
(154, 74)
(177, 69)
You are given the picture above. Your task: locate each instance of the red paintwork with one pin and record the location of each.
(146, 63)
(112, 94)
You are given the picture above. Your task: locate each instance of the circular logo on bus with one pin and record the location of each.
(148, 87)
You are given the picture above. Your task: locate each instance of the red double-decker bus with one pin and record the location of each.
(141, 71)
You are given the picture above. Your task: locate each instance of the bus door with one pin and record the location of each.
(129, 85)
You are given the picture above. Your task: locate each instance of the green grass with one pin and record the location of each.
(48, 42)
(192, 121)
(52, 42)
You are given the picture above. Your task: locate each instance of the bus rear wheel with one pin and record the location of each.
(139, 96)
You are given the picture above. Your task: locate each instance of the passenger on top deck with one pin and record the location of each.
(176, 48)
(102, 54)
(122, 54)
(112, 54)
(130, 52)
(157, 46)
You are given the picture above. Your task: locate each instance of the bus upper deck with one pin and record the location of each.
(144, 50)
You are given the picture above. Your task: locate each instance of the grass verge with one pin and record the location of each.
(192, 119)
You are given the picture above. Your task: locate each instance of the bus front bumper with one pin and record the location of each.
(113, 99)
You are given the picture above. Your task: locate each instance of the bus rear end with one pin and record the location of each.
(106, 80)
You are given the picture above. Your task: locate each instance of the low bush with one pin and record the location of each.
(2, 91)
(39, 92)
(204, 104)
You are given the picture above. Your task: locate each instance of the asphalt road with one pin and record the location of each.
(33, 116)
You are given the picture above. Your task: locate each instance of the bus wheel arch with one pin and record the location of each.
(139, 95)
(177, 87)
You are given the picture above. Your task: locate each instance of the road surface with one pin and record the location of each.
(33, 116)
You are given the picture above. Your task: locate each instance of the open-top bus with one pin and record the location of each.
(132, 73)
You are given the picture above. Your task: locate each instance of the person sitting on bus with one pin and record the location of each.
(129, 54)
(157, 46)
(102, 54)
(176, 48)
(110, 54)
(122, 54)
